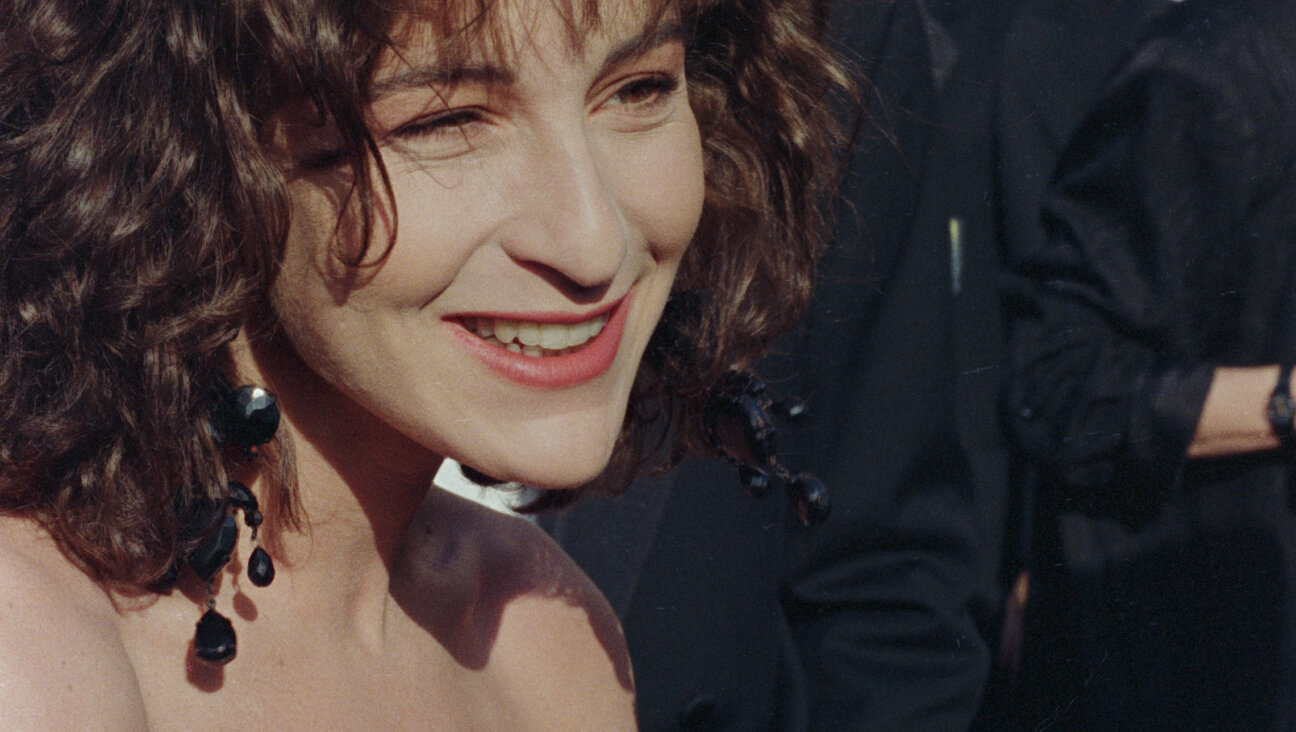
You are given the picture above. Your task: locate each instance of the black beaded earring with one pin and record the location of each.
(739, 421)
(245, 417)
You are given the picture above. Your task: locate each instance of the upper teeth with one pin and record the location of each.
(534, 339)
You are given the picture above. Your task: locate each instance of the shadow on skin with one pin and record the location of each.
(244, 607)
(468, 564)
(202, 675)
(334, 186)
(461, 564)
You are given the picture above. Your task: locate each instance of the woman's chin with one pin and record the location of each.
(559, 478)
(571, 469)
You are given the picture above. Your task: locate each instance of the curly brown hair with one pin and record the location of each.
(142, 214)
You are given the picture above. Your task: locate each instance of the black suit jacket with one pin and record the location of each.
(1168, 583)
(1057, 54)
(962, 213)
(736, 616)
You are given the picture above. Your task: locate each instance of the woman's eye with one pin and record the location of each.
(647, 90)
(455, 121)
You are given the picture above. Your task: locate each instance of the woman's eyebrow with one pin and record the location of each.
(641, 44)
(434, 75)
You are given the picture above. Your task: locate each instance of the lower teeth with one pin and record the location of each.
(532, 351)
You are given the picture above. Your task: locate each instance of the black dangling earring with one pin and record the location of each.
(260, 567)
(739, 421)
(246, 417)
(214, 639)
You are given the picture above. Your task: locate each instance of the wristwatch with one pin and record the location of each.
(1282, 408)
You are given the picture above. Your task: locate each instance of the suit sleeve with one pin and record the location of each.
(1116, 323)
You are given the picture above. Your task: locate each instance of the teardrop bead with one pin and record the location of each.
(811, 499)
(758, 428)
(252, 518)
(261, 567)
(754, 481)
(214, 640)
(741, 429)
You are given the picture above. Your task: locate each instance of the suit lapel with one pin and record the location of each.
(610, 537)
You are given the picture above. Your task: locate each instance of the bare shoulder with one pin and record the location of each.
(62, 664)
(561, 640)
(540, 624)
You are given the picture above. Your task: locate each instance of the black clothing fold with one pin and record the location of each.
(1170, 238)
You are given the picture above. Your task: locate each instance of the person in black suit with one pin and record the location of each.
(961, 212)
(1056, 56)
(737, 617)
(1149, 337)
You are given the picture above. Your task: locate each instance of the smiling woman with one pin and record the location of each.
(529, 235)
(575, 176)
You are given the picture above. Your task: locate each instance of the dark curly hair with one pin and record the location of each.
(143, 211)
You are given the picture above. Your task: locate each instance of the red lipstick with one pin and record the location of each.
(591, 359)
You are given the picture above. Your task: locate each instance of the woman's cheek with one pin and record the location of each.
(667, 187)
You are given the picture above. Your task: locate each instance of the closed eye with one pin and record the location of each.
(454, 121)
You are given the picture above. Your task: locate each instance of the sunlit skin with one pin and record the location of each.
(550, 192)
(560, 187)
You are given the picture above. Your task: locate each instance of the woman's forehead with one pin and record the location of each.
(458, 31)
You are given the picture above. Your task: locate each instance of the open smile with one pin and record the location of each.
(546, 351)
(534, 339)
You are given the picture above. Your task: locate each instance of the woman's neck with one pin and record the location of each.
(359, 485)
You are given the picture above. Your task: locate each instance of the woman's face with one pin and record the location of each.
(544, 204)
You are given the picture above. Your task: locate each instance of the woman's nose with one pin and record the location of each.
(577, 228)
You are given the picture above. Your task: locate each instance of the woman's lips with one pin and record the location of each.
(545, 351)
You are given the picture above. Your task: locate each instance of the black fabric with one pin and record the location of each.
(700, 607)
(736, 616)
(1057, 55)
(1163, 594)
(961, 216)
